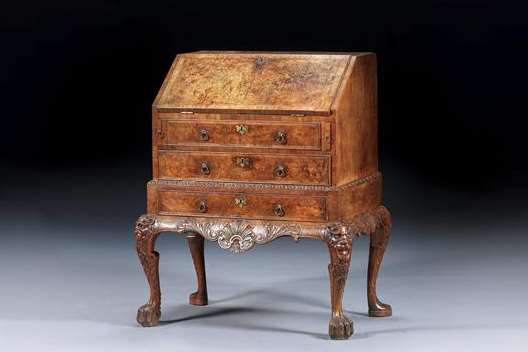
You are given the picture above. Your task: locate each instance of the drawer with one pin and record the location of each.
(257, 134)
(257, 206)
(299, 169)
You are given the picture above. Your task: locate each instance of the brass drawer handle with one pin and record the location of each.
(202, 206)
(240, 202)
(280, 170)
(205, 169)
(204, 135)
(278, 210)
(241, 129)
(243, 162)
(281, 137)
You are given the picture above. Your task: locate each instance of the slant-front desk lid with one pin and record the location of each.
(253, 82)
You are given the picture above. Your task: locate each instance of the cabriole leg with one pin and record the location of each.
(340, 247)
(378, 243)
(146, 233)
(196, 247)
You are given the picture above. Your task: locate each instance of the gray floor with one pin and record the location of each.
(74, 290)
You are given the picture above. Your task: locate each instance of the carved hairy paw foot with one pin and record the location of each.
(198, 299)
(148, 315)
(340, 328)
(380, 310)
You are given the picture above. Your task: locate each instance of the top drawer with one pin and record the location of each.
(256, 134)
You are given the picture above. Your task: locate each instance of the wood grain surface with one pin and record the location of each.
(254, 81)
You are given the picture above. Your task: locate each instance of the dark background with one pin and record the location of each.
(78, 79)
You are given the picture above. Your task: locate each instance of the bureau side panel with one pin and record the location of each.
(157, 135)
(356, 122)
(359, 198)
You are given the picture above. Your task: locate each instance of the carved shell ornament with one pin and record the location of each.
(239, 236)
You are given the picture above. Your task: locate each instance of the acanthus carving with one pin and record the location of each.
(274, 231)
(370, 221)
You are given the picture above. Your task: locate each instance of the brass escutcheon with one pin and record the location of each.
(241, 129)
(240, 201)
(243, 162)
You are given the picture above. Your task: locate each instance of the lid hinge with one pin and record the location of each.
(186, 112)
(296, 114)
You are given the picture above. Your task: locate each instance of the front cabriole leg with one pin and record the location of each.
(378, 243)
(340, 246)
(146, 232)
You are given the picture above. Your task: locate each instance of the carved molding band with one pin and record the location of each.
(237, 185)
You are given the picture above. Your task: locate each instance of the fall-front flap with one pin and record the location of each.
(253, 82)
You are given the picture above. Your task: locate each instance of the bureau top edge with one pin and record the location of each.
(264, 52)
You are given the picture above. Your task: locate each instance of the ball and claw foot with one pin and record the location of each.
(198, 299)
(148, 315)
(340, 328)
(380, 310)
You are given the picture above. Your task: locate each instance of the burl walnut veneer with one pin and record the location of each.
(248, 147)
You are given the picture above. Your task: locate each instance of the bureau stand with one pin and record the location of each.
(252, 146)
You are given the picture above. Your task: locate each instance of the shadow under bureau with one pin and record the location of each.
(251, 146)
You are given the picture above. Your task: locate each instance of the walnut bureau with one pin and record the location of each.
(251, 146)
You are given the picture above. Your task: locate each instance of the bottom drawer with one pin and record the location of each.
(256, 206)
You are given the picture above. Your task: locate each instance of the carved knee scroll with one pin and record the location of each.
(146, 233)
(339, 243)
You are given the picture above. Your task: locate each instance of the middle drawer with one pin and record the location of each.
(286, 169)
